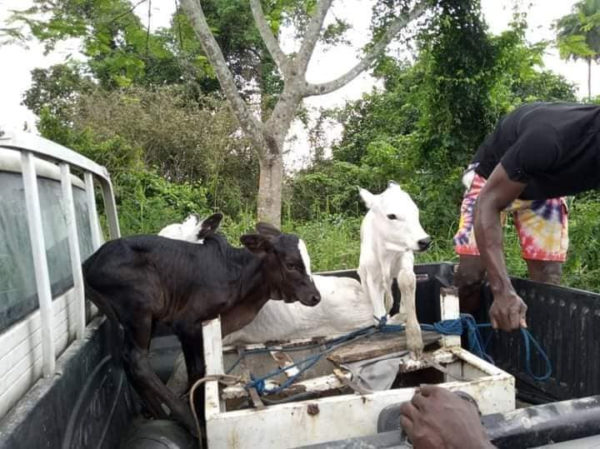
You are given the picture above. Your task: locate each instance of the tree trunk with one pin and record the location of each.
(269, 189)
(271, 159)
(589, 61)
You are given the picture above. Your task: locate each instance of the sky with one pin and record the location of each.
(16, 61)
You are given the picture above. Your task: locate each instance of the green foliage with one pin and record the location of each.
(147, 201)
(518, 77)
(333, 242)
(379, 117)
(457, 59)
(161, 130)
(337, 185)
(582, 268)
(579, 32)
(120, 51)
(54, 89)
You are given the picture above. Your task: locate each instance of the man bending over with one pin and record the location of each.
(537, 155)
(539, 151)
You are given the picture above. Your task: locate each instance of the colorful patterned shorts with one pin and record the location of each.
(542, 226)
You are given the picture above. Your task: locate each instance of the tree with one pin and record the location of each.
(579, 35)
(120, 51)
(268, 134)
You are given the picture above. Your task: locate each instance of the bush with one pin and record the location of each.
(147, 202)
(582, 269)
(333, 242)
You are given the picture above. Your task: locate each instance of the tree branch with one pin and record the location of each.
(129, 11)
(213, 52)
(374, 51)
(267, 36)
(311, 36)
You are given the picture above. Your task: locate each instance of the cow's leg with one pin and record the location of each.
(400, 317)
(153, 405)
(374, 290)
(151, 389)
(192, 344)
(132, 355)
(388, 301)
(407, 282)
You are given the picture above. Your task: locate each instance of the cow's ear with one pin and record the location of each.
(256, 243)
(367, 197)
(211, 224)
(267, 230)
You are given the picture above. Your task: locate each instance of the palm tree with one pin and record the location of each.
(579, 35)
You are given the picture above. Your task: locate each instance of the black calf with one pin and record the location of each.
(138, 281)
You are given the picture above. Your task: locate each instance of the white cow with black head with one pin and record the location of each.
(390, 234)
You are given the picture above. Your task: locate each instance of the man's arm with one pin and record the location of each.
(508, 309)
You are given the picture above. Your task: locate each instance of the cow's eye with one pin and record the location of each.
(293, 266)
(392, 216)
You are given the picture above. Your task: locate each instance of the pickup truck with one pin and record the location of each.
(60, 387)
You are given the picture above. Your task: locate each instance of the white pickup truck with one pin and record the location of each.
(60, 388)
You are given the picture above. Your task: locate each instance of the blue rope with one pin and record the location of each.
(305, 364)
(528, 341)
(528, 338)
(456, 327)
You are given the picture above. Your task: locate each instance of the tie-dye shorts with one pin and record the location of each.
(542, 225)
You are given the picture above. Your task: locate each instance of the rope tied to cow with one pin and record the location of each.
(466, 323)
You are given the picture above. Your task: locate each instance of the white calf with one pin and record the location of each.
(343, 308)
(389, 235)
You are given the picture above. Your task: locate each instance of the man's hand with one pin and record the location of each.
(436, 418)
(508, 311)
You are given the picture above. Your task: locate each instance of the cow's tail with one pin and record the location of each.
(116, 336)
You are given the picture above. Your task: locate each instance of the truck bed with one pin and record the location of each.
(89, 403)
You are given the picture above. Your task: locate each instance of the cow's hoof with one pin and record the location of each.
(414, 342)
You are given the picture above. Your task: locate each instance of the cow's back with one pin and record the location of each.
(176, 260)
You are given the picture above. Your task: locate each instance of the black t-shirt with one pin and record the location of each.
(552, 147)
